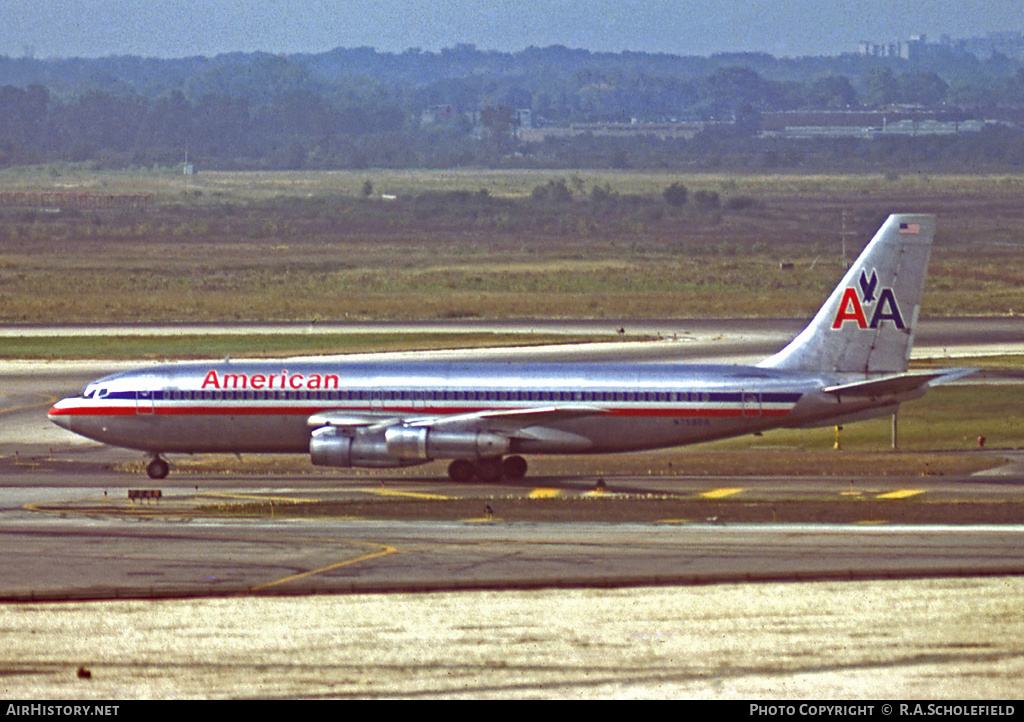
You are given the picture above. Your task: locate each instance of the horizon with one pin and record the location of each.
(179, 29)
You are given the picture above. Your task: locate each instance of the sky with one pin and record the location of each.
(784, 28)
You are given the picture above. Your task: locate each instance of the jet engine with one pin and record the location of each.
(400, 446)
(423, 443)
(330, 447)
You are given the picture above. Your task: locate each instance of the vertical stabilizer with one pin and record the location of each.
(867, 325)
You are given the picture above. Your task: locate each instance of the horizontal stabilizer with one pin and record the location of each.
(897, 384)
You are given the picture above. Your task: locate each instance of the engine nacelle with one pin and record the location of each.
(423, 443)
(329, 447)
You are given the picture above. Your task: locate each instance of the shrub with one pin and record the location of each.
(675, 195)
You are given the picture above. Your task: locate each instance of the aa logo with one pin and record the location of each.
(883, 308)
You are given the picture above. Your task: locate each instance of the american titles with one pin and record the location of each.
(229, 380)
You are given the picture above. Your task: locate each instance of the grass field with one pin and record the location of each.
(215, 345)
(305, 246)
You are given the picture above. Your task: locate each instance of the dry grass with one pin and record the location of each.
(261, 186)
(301, 246)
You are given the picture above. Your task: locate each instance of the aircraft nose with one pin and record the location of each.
(59, 414)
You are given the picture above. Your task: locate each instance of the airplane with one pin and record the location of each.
(848, 364)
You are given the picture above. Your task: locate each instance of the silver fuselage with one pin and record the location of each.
(246, 407)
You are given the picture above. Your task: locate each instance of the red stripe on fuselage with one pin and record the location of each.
(249, 410)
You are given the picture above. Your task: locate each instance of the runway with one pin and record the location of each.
(199, 600)
(676, 339)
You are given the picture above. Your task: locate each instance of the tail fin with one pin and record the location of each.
(867, 325)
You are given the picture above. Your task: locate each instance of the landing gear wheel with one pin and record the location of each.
(513, 467)
(461, 470)
(158, 468)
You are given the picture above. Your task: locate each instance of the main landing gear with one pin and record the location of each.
(487, 470)
(461, 470)
(157, 468)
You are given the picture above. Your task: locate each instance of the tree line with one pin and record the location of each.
(358, 108)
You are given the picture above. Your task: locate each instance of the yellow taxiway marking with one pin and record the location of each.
(49, 401)
(900, 494)
(543, 493)
(720, 493)
(384, 551)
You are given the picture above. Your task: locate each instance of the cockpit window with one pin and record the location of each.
(95, 392)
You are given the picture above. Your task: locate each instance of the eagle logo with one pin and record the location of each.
(867, 286)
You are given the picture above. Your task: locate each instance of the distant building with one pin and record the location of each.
(1009, 43)
(915, 46)
(438, 114)
(881, 50)
(634, 129)
(865, 123)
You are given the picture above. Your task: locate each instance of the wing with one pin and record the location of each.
(344, 419)
(524, 425)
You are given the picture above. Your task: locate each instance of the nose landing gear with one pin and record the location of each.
(157, 468)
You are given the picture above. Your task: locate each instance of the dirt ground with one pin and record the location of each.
(617, 510)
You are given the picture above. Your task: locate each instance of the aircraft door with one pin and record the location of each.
(144, 401)
(751, 403)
